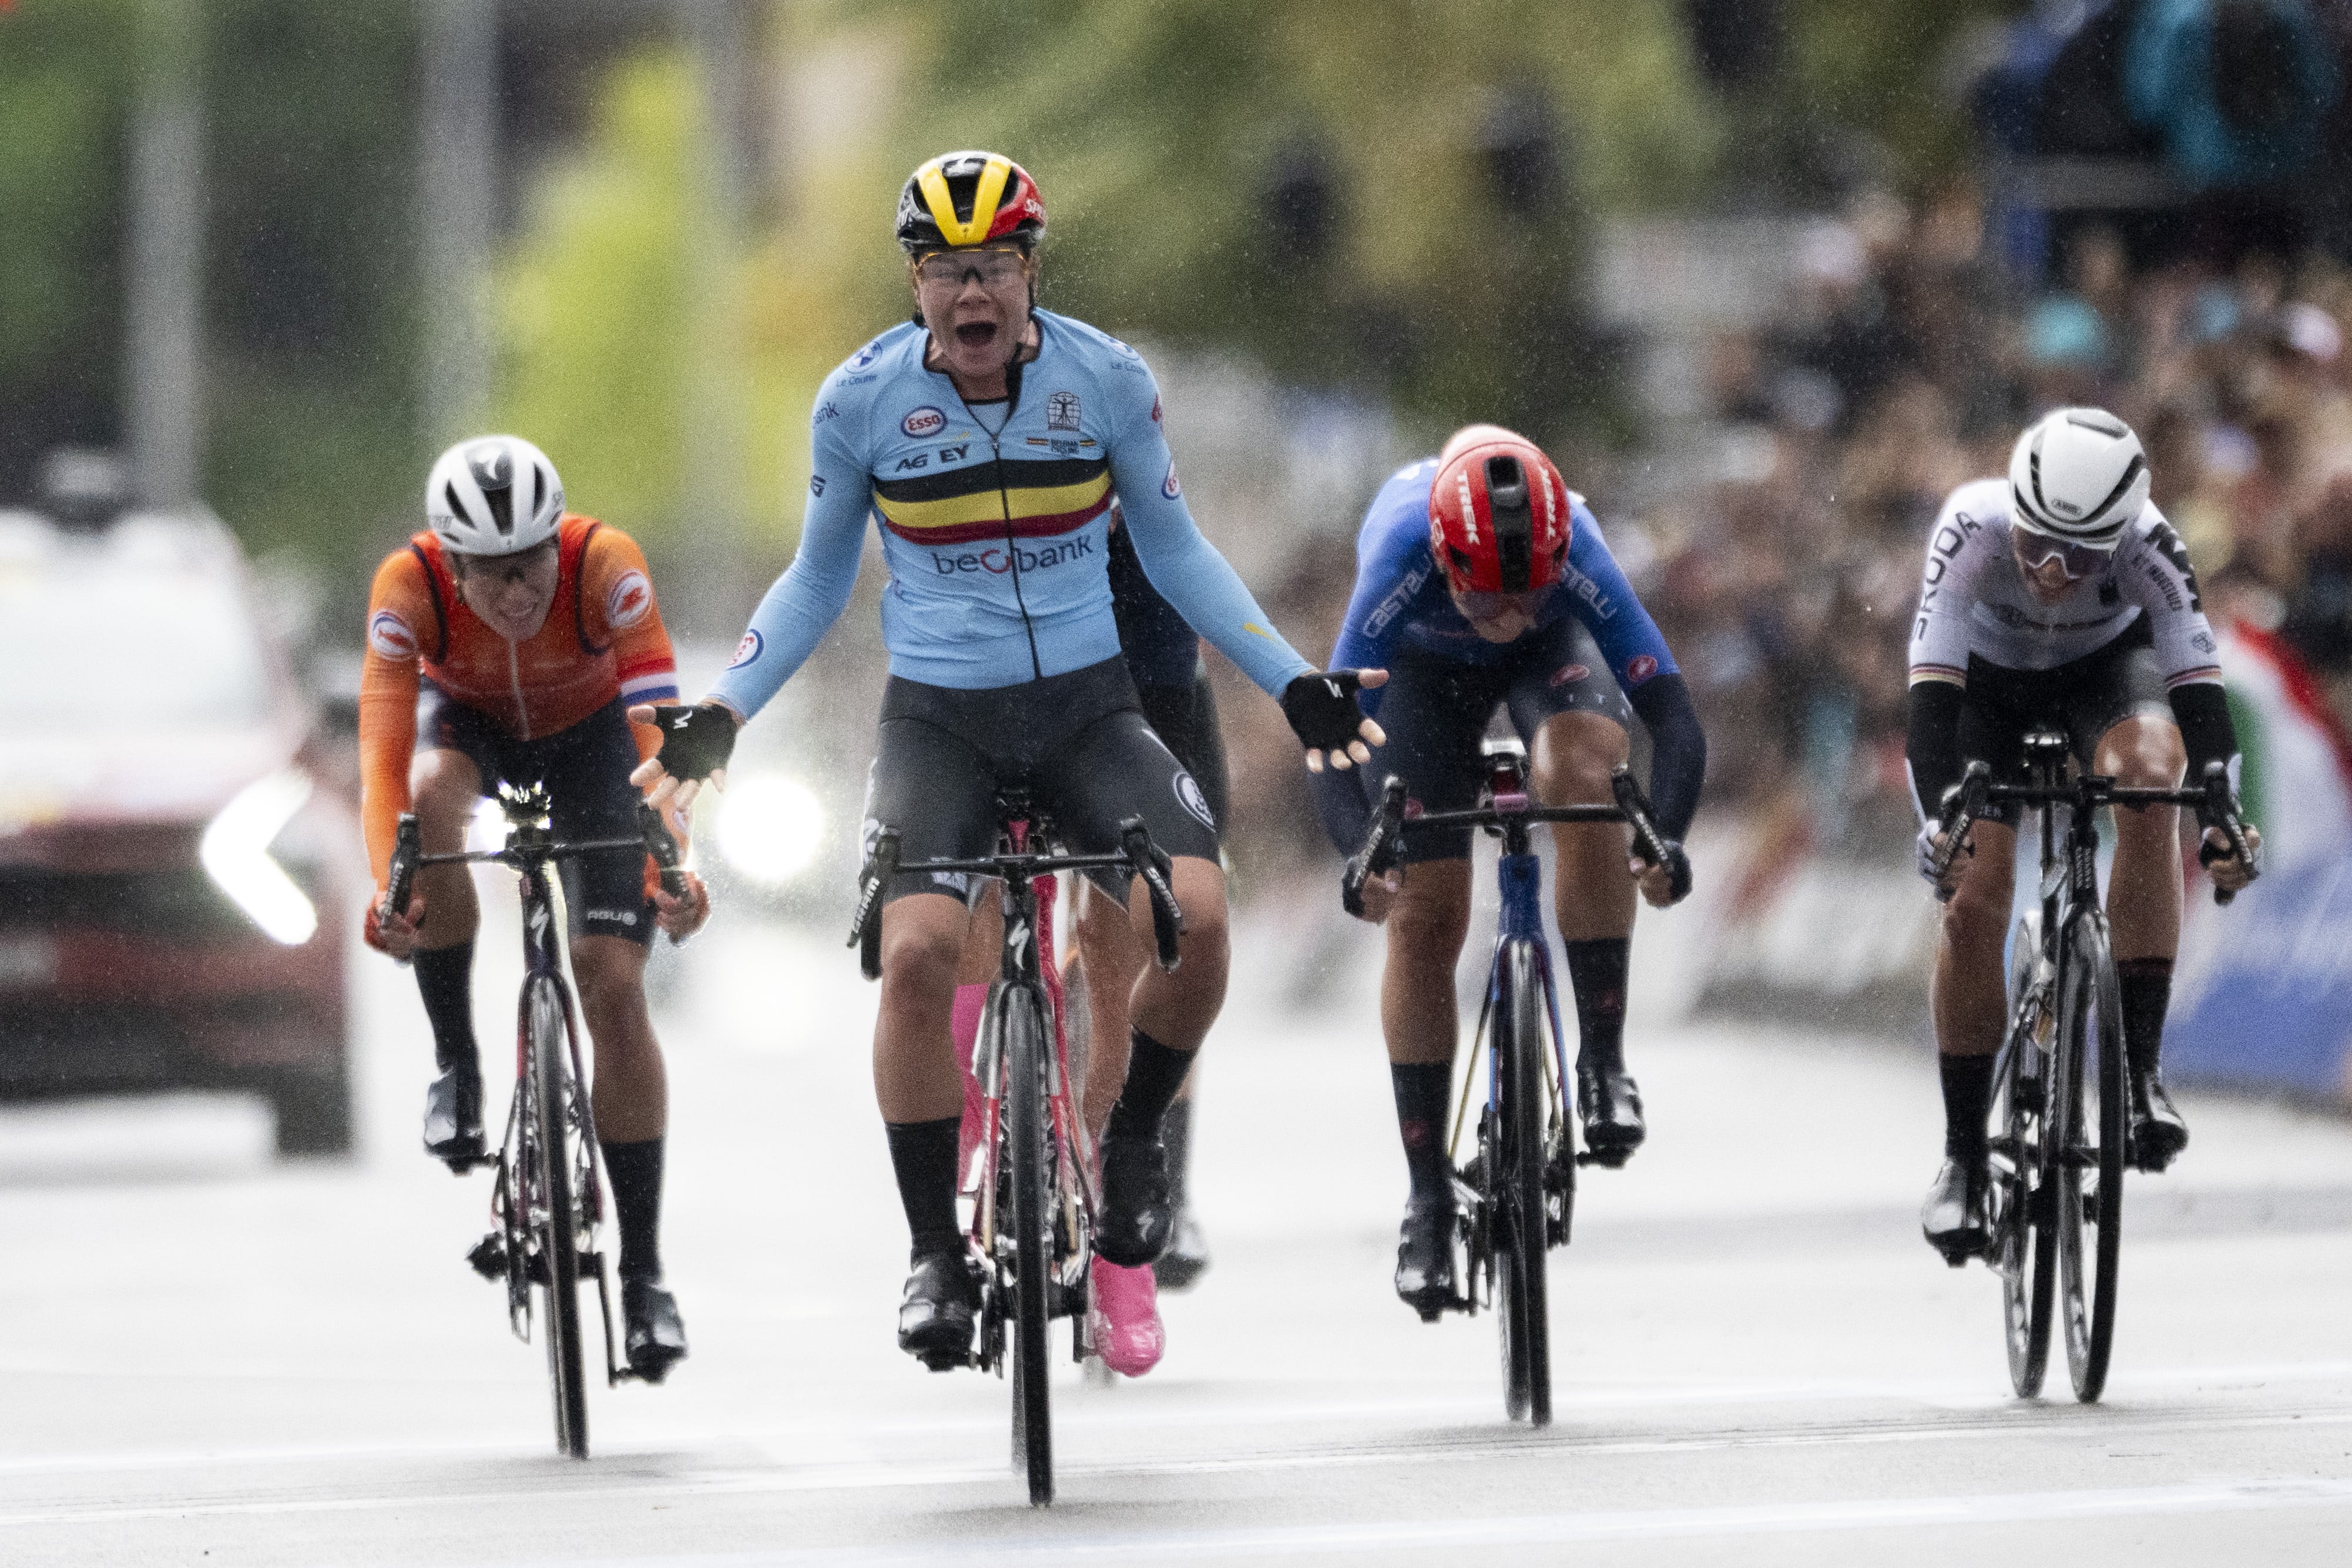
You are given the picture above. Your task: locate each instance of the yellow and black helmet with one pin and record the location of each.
(968, 198)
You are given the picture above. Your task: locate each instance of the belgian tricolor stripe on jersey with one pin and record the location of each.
(965, 503)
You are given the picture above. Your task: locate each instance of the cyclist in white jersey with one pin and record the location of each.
(2058, 598)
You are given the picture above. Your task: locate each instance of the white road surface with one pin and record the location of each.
(213, 1359)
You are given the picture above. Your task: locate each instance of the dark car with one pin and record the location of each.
(175, 883)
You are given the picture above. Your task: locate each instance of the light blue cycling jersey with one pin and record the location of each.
(995, 538)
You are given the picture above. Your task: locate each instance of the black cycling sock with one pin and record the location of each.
(2147, 987)
(1176, 1131)
(1967, 1100)
(1154, 1074)
(445, 978)
(1596, 970)
(923, 1157)
(1422, 1090)
(636, 1172)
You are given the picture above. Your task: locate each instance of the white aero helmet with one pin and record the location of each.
(493, 495)
(2078, 474)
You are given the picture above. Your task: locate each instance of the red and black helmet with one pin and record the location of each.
(1498, 514)
(968, 198)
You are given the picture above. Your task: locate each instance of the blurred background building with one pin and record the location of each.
(1768, 277)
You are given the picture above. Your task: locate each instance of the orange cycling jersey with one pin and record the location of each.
(603, 639)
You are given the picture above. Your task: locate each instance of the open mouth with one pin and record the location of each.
(976, 334)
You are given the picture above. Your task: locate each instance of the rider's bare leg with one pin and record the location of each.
(2144, 895)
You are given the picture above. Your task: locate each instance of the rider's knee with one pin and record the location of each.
(443, 785)
(1575, 760)
(608, 989)
(2144, 753)
(920, 953)
(1978, 914)
(1431, 917)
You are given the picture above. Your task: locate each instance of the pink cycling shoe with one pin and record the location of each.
(1123, 1322)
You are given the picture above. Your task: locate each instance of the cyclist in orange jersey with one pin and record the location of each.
(505, 643)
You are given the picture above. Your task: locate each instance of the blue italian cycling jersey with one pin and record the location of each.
(1401, 596)
(994, 522)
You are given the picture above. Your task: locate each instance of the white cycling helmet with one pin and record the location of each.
(493, 495)
(2078, 474)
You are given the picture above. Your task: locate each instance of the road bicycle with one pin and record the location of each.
(2060, 1137)
(1032, 1224)
(548, 1199)
(1515, 1195)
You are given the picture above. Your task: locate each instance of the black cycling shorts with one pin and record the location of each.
(1185, 718)
(1078, 742)
(2085, 699)
(586, 771)
(1436, 711)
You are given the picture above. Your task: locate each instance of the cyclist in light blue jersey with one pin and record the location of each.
(987, 438)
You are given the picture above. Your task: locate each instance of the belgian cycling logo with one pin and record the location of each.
(747, 650)
(867, 355)
(1641, 667)
(389, 635)
(1062, 411)
(1168, 486)
(924, 421)
(629, 600)
(1189, 796)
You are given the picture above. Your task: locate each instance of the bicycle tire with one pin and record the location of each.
(1525, 1321)
(2091, 1023)
(554, 1220)
(1032, 1254)
(2025, 1244)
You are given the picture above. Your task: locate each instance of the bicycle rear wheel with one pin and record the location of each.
(2025, 1240)
(2091, 1193)
(1025, 1132)
(551, 1154)
(1525, 1318)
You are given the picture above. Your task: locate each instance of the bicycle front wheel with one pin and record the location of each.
(1525, 1318)
(1025, 1132)
(550, 1156)
(2091, 1191)
(2025, 1181)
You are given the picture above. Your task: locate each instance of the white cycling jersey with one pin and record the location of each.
(1974, 600)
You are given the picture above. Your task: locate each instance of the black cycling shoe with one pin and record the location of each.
(1187, 1258)
(1136, 1220)
(1954, 1218)
(1611, 1103)
(656, 1339)
(1425, 1270)
(935, 1314)
(453, 1118)
(2158, 1133)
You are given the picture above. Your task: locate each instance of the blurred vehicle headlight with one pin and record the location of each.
(235, 851)
(768, 827)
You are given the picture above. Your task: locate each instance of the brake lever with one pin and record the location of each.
(1962, 804)
(1148, 861)
(662, 847)
(1379, 851)
(865, 928)
(1649, 844)
(407, 846)
(2218, 810)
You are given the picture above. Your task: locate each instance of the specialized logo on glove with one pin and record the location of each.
(389, 635)
(629, 600)
(746, 651)
(1189, 796)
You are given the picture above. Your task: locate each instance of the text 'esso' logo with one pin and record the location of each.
(389, 635)
(1641, 667)
(924, 421)
(628, 601)
(746, 651)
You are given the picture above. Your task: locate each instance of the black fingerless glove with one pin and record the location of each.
(696, 741)
(1678, 872)
(1321, 707)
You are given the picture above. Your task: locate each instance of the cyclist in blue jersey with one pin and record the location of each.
(1482, 582)
(988, 437)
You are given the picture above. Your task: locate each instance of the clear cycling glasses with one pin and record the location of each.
(2035, 552)
(950, 268)
(1527, 606)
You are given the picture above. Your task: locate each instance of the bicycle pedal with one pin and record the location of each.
(489, 1258)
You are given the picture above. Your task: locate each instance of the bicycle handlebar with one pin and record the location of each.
(1390, 823)
(1976, 794)
(408, 857)
(1138, 856)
